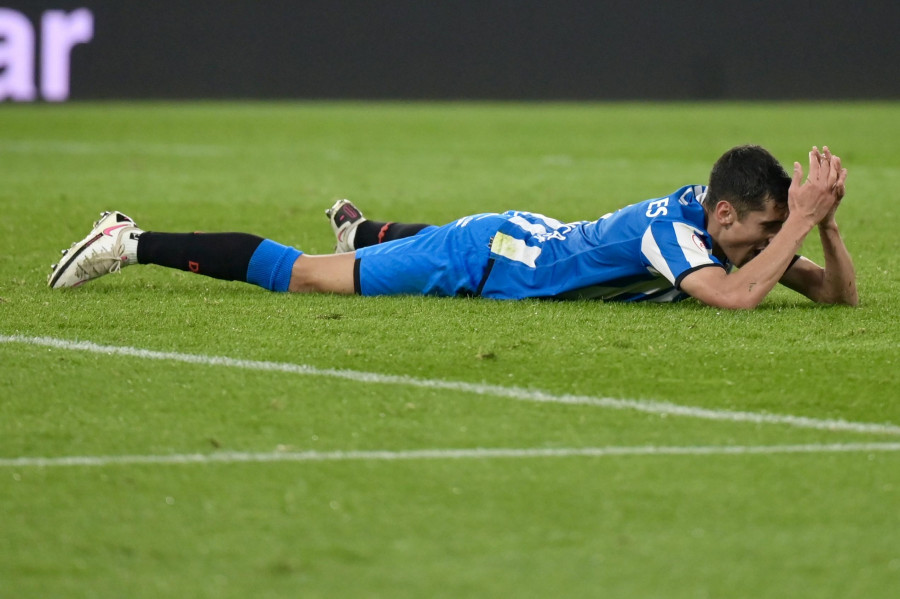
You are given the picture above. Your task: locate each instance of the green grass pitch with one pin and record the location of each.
(680, 523)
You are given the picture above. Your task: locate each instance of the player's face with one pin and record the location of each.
(748, 236)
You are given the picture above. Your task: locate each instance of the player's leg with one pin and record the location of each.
(332, 273)
(116, 242)
(246, 257)
(353, 231)
(445, 261)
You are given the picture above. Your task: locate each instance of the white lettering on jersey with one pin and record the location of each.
(557, 229)
(658, 208)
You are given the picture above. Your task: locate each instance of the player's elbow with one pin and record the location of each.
(834, 292)
(849, 298)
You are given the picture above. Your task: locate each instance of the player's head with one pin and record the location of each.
(747, 177)
(746, 202)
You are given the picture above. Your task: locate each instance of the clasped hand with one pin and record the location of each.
(817, 199)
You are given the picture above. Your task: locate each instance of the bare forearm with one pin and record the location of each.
(747, 287)
(757, 278)
(839, 278)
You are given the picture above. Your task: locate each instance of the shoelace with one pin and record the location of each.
(100, 262)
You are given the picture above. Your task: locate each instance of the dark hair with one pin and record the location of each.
(745, 177)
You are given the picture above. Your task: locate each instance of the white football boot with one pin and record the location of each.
(101, 252)
(344, 218)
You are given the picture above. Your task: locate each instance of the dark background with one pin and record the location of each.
(484, 49)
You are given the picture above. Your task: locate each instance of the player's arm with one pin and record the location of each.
(746, 288)
(836, 283)
(810, 203)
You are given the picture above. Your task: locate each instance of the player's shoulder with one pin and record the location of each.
(689, 195)
(683, 204)
(686, 201)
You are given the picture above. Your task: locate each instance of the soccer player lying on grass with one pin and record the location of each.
(752, 215)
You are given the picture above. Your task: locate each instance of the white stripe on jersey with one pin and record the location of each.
(669, 296)
(515, 249)
(695, 250)
(650, 249)
(689, 240)
(546, 223)
(533, 228)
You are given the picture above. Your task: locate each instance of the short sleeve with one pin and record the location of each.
(675, 249)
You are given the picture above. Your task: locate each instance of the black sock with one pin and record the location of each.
(372, 232)
(219, 255)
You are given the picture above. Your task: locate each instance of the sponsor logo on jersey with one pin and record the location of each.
(699, 242)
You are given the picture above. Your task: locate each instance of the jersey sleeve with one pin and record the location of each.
(675, 249)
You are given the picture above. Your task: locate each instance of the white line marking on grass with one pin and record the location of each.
(651, 407)
(445, 454)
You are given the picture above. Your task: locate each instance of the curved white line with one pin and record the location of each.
(517, 393)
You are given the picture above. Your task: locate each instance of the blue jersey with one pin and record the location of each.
(639, 253)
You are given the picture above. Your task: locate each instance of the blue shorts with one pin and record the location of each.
(445, 261)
